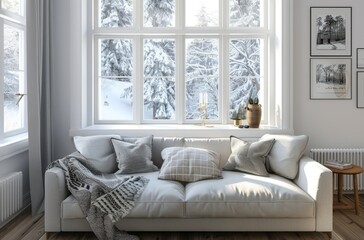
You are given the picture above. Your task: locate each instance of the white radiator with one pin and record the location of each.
(11, 195)
(352, 155)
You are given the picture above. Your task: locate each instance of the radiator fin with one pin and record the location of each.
(11, 195)
(352, 155)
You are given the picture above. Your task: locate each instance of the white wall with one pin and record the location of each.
(329, 123)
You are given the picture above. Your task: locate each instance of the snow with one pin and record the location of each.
(112, 106)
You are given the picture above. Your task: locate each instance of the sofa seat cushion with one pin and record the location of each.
(245, 195)
(159, 199)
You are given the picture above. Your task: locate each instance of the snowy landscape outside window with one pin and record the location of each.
(12, 51)
(154, 58)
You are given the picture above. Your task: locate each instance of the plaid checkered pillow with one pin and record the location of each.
(187, 164)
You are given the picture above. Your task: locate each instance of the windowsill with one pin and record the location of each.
(179, 130)
(14, 145)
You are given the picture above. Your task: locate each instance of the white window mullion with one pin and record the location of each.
(226, 80)
(138, 92)
(180, 97)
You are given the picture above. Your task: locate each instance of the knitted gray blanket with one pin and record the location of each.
(103, 198)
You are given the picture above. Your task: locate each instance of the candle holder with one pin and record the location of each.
(203, 113)
(203, 104)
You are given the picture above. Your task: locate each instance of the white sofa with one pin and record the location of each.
(237, 202)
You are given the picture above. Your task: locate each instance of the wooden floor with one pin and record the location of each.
(347, 226)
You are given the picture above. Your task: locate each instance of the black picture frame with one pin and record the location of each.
(326, 40)
(360, 89)
(330, 78)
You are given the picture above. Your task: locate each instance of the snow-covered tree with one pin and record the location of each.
(159, 13)
(244, 71)
(245, 13)
(159, 77)
(116, 13)
(202, 72)
(116, 57)
(11, 65)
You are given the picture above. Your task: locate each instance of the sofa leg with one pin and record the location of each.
(329, 234)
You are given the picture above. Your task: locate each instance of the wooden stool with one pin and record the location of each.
(355, 170)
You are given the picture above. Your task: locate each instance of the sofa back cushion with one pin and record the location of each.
(220, 145)
(160, 143)
(99, 151)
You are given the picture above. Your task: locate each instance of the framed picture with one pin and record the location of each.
(360, 58)
(331, 31)
(330, 78)
(360, 89)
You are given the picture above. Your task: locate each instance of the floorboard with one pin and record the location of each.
(347, 226)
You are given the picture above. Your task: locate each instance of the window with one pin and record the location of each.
(13, 85)
(154, 59)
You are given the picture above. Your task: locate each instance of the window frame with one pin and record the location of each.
(17, 22)
(180, 33)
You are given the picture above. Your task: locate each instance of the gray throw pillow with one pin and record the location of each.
(188, 164)
(249, 157)
(134, 155)
(286, 153)
(98, 151)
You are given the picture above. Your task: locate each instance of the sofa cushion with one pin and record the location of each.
(160, 143)
(245, 195)
(187, 164)
(221, 145)
(159, 199)
(134, 155)
(285, 154)
(249, 157)
(98, 150)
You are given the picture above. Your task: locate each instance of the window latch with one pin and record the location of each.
(20, 95)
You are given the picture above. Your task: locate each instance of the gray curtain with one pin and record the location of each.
(39, 101)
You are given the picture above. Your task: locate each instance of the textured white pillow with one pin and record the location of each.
(188, 164)
(249, 157)
(98, 150)
(285, 154)
(134, 155)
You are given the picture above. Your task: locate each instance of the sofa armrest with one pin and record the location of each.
(316, 180)
(55, 192)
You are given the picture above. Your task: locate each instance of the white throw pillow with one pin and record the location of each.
(188, 164)
(134, 155)
(285, 154)
(249, 157)
(98, 150)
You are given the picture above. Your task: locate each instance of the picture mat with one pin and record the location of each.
(344, 12)
(320, 89)
(360, 89)
(360, 58)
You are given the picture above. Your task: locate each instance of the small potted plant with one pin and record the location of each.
(253, 113)
(238, 115)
